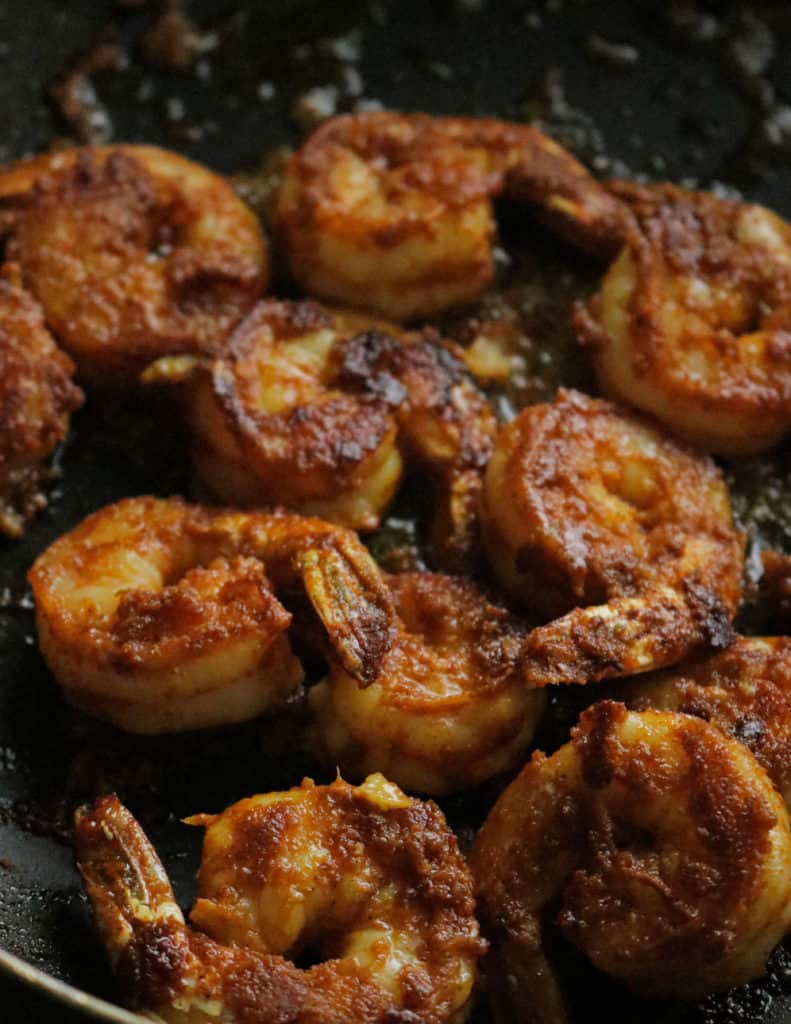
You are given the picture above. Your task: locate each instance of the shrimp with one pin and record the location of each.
(745, 691)
(317, 410)
(393, 212)
(693, 320)
(448, 709)
(368, 878)
(774, 590)
(587, 507)
(37, 397)
(133, 253)
(662, 842)
(160, 616)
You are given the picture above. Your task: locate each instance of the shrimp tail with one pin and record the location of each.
(141, 926)
(564, 195)
(350, 597)
(523, 987)
(627, 636)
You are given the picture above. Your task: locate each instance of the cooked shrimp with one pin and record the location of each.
(133, 252)
(664, 845)
(37, 396)
(774, 591)
(448, 709)
(317, 410)
(369, 879)
(693, 320)
(745, 691)
(588, 507)
(393, 212)
(160, 616)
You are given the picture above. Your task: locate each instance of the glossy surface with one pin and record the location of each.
(685, 107)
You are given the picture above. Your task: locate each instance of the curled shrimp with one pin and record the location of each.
(160, 616)
(664, 845)
(37, 397)
(133, 252)
(588, 507)
(693, 320)
(745, 691)
(318, 410)
(366, 877)
(393, 212)
(449, 707)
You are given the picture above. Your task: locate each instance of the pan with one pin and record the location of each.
(692, 93)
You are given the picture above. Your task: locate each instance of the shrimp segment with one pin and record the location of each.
(37, 396)
(393, 212)
(665, 846)
(160, 616)
(133, 252)
(745, 691)
(318, 410)
(693, 320)
(368, 878)
(448, 709)
(597, 521)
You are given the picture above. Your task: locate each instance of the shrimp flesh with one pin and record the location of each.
(745, 691)
(393, 212)
(598, 521)
(367, 878)
(318, 410)
(693, 320)
(449, 707)
(133, 253)
(37, 397)
(160, 616)
(665, 847)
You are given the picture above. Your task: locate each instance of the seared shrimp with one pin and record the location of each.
(693, 320)
(393, 212)
(160, 616)
(317, 410)
(369, 879)
(37, 396)
(664, 845)
(133, 252)
(746, 691)
(448, 709)
(774, 592)
(587, 505)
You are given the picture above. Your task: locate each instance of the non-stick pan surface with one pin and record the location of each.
(666, 90)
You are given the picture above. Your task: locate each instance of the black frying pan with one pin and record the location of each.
(682, 95)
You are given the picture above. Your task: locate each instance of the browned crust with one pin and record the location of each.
(312, 450)
(248, 559)
(745, 691)
(378, 380)
(580, 649)
(676, 234)
(441, 158)
(410, 847)
(733, 822)
(580, 555)
(105, 244)
(481, 643)
(410, 844)
(207, 607)
(641, 904)
(37, 397)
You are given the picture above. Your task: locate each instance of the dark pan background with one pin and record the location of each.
(690, 97)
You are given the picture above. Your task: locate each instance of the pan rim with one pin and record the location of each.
(64, 993)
